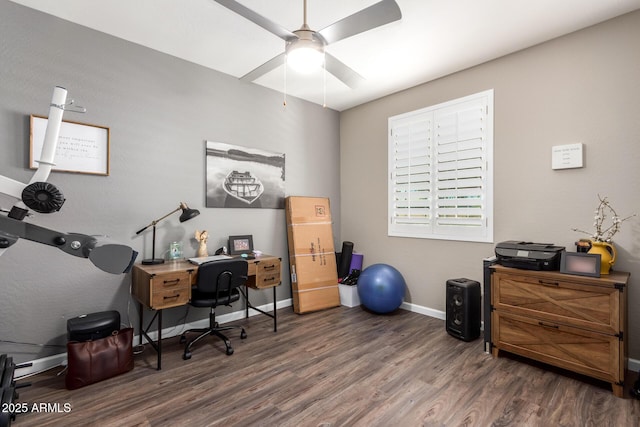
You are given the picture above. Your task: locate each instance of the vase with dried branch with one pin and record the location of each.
(604, 212)
(602, 237)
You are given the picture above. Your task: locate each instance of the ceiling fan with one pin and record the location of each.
(309, 45)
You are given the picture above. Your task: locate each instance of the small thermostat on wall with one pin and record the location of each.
(567, 156)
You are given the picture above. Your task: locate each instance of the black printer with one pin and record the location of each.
(528, 255)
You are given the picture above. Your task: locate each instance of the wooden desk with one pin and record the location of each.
(168, 285)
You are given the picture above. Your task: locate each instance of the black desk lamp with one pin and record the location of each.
(186, 215)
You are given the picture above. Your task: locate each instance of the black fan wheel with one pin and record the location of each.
(43, 197)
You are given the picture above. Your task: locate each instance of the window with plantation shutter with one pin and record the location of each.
(440, 171)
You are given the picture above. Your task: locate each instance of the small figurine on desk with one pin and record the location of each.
(202, 236)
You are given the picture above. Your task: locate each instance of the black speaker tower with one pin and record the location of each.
(463, 309)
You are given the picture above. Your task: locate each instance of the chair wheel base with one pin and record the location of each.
(186, 355)
(243, 335)
(183, 339)
(229, 351)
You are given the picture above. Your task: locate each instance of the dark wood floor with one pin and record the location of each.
(339, 367)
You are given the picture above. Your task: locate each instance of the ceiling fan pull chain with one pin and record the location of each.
(324, 84)
(284, 101)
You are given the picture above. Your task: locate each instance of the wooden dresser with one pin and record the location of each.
(572, 322)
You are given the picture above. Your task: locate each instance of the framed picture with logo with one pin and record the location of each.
(239, 245)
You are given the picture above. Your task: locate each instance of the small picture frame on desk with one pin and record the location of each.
(239, 245)
(581, 264)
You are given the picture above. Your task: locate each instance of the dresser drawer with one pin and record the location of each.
(577, 304)
(590, 353)
(267, 274)
(170, 289)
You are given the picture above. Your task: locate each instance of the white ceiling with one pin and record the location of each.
(434, 37)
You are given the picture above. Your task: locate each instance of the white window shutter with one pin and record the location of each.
(460, 135)
(440, 163)
(411, 173)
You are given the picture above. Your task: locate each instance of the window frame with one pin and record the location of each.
(416, 171)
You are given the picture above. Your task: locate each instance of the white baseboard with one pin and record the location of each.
(45, 363)
(40, 365)
(424, 310)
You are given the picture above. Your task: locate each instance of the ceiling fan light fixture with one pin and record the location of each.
(305, 60)
(305, 54)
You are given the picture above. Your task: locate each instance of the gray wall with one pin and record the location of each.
(582, 88)
(160, 111)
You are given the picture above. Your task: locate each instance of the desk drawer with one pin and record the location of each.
(170, 298)
(267, 274)
(170, 289)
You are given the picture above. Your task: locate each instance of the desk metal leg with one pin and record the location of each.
(157, 346)
(141, 315)
(275, 311)
(248, 306)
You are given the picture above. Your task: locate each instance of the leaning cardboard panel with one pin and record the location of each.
(308, 210)
(314, 277)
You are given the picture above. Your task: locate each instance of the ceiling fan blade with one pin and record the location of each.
(339, 69)
(263, 69)
(371, 17)
(257, 19)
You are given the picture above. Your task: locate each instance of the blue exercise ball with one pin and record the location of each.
(381, 288)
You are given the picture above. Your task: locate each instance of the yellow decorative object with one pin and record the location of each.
(607, 255)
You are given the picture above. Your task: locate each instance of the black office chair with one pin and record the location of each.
(217, 284)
